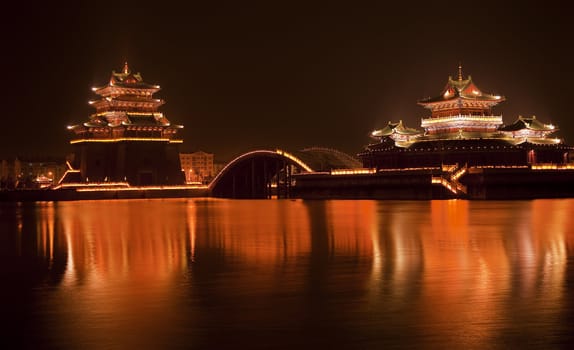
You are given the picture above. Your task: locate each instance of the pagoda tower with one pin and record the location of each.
(127, 139)
(461, 107)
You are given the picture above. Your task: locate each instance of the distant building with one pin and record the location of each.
(127, 139)
(31, 171)
(197, 166)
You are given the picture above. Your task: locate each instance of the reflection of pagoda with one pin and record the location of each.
(126, 139)
(462, 130)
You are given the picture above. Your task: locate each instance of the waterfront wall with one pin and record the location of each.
(509, 183)
(478, 183)
(71, 194)
(415, 184)
(418, 184)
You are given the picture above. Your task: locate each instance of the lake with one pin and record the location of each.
(204, 273)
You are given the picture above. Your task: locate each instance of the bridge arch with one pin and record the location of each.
(258, 174)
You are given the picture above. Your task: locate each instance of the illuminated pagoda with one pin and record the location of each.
(463, 130)
(127, 139)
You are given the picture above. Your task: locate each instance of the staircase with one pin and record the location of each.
(449, 179)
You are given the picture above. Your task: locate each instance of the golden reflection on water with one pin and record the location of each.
(458, 273)
(255, 232)
(124, 262)
(45, 228)
(111, 241)
(465, 266)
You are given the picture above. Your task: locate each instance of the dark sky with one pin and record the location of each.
(241, 76)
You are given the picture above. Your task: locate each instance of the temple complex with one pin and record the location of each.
(127, 140)
(463, 150)
(463, 130)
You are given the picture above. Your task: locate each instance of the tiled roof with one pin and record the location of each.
(527, 123)
(462, 88)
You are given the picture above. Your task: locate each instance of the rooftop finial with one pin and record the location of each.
(459, 71)
(126, 68)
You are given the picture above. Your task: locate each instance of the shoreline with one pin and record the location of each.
(472, 183)
(74, 194)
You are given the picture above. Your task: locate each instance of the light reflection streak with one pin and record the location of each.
(551, 247)
(191, 227)
(45, 228)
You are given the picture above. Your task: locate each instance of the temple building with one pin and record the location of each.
(462, 129)
(127, 139)
(463, 150)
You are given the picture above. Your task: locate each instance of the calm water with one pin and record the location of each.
(287, 274)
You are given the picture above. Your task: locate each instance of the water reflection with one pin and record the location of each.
(145, 242)
(207, 273)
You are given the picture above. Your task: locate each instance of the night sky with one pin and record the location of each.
(291, 75)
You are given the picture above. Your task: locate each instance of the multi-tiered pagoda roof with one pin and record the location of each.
(125, 109)
(462, 97)
(461, 107)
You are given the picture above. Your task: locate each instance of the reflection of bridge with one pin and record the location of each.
(265, 173)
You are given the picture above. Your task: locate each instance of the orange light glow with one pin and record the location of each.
(126, 139)
(353, 171)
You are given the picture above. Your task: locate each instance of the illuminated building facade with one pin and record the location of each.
(462, 130)
(127, 138)
(197, 166)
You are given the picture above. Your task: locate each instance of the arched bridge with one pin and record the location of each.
(267, 173)
(258, 174)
